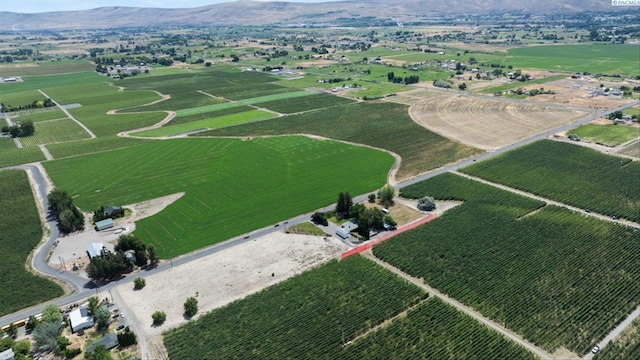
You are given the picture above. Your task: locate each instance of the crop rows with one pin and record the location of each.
(20, 232)
(207, 115)
(15, 156)
(557, 277)
(435, 330)
(382, 125)
(319, 101)
(625, 346)
(301, 318)
(231, 186)
(570, 174)
(90, 146)
(245, 90)
(179, 101)
(180, 83)
(55, 131)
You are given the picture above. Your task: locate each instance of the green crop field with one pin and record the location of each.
(382, 125)
(44, 82)
(247, 90)
(98, 99)
(300, 318)
(556, 277)
(14, 156)
(607, 134)
(252, 101)
(90, 146)
(518, 84)
(607, 59)
(626, 346)
(631, 149)
(20, 233)
(194, 81)
(212, 123)
(306, 103)
(7, 143)
(435, 330)
(55, 131)
(21, 98)
(571, 174)
(52, 113)
(179, 101)
(46, 68)
(232, 186)
(208, 115)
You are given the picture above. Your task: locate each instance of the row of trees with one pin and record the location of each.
(61, 207)
(411, 79)
(36, 104)
(23, 129)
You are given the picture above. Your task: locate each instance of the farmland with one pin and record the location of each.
(607, 59)
(487, 123)
(608, 134)
(40, 115)
(43, 82)
(208, 115)
(626, 346)
(533, 271)
(435, 330)
(15, 156)
(54, 68)
(90, 146)
(300, 104)
(212, 123)
(382, 125)
(55, 131)
(232, 186)
(570, 174)
(301, 318)
(179, 101)
(517, 84)
(20, 232)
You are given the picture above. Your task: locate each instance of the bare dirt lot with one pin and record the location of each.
(578, 93)
(223, 277)
(487, 123)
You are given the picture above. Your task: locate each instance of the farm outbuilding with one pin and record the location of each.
(345, 229)
(111, 210)
(109, 341)
(94, 249)
(104, 224)
(80, 319)
(7, 355)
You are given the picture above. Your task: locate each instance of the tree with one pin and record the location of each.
(151, 253)
(62, 342)
(51, 313)
(6, 343)
(98, 353)
(45, 335)
(190, 307)
(132, 242)
(370, 219)
(386, 195)
(101, 316)
(31, 323)
(127, 338)
(427, 203)
(357, 209)
(22, 347)
(372, 198)
(12, 331)
(27, 129)
(107, 266)
(159, 317)
(344, 204)
(139, 283)
(319, 218)
(61, 206)
(389, 221)
(462, 86)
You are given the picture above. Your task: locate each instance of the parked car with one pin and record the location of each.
(595, 349)
(120, 327)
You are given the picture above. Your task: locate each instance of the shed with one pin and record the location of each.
(94, 249)
(345, 229)
(104, 224)
(109, 341)
(80, 319)
(111, 210)
(7, 355)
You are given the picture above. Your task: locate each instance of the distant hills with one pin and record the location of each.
(246, 12)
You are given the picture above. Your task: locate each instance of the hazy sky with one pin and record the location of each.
(32, 6)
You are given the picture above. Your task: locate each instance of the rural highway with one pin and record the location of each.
(83, 289)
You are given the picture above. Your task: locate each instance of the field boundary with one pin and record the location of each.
(370, 244)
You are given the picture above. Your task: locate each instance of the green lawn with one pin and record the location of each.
(55, 131)
(232, 186)
(207, 124)
(607, 134)
(20, 233)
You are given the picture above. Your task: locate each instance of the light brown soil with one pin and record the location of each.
(485, 122)
(148, 208)
(223, 277)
